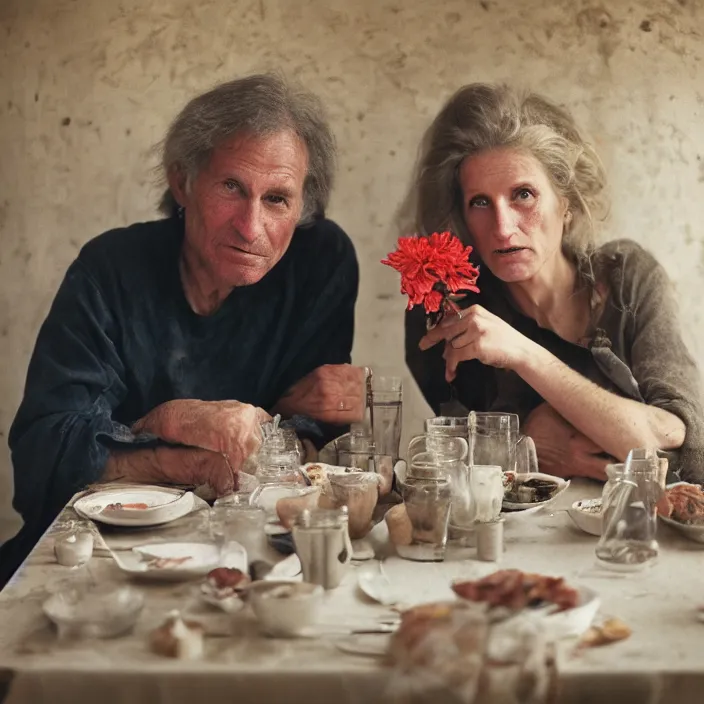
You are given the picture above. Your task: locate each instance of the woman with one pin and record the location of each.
(581, 341)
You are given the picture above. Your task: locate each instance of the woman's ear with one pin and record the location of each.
(178, 181)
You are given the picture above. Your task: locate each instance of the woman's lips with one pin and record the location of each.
(510, 250)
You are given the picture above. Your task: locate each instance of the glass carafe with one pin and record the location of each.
(629, 517)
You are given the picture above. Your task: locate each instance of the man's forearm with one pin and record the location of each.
(140, 466)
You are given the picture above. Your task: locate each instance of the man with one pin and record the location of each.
(169, 342)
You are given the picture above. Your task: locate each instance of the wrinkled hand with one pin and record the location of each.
(562, 450)
(172, 465)
(477, 334)
(229, 428)
(333, 393)
(192, 465)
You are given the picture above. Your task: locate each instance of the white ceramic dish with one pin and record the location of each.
(574, 622)
(287, 617)
(377, 587)
(100, 612)
(373, 645)
(588, 522)
(534, 507)
(163, 505)
(179, 561)
(694, 533)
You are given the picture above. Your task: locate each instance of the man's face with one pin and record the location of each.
(242, 208)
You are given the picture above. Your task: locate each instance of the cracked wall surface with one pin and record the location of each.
(88, 87)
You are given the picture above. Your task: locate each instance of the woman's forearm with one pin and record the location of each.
(614, 423)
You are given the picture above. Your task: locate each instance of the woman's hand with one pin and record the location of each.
(333, 393)
(230, 428)
(478, 334)
(562, 450)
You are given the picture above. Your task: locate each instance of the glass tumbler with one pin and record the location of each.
(426, 490)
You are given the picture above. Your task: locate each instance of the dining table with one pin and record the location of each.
(661, 661)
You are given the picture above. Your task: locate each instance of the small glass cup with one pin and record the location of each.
(73, 543)
(235, 521)
(359, 492)
(486, 488)
(427, 494)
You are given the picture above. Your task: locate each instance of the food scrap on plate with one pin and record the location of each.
(611, 631)
(516, 590)
(683, 503)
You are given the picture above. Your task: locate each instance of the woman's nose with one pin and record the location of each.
(505, 221)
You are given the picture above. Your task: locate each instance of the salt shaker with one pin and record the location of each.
(323, 546)
(490, 540)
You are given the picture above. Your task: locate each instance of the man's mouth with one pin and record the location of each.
(244, 251)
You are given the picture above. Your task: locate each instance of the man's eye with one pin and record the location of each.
(231, 185)
(479, 202)
(277, 200)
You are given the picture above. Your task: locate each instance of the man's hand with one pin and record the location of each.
(562, 450)
(229, 428)
(333, 393)
(173, 465)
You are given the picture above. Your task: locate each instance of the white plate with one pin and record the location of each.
(537, 505)
(695, 533)
(142, 561)
(164, 505)
(368, 644)
(576, 621)
(588, 522)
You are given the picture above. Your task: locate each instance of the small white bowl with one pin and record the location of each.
(285, 616)
(588, 522)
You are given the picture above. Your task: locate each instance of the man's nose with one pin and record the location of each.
(248, 220)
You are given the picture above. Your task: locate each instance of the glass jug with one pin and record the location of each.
(494, 439)
(629, 515)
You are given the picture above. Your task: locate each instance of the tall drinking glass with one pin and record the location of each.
(426, 491)
(384, 414)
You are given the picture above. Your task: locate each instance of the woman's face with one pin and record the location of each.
(513, 213)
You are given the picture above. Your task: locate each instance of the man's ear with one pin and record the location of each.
(178, 181)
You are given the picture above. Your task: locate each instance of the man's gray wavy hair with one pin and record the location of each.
(261, 105)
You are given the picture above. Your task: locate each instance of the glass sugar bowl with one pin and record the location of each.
(279, 476)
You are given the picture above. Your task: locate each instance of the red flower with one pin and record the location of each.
(433, 267)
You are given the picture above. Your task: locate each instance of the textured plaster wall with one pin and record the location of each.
(88, 86)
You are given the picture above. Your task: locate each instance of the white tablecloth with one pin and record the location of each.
(661, 662)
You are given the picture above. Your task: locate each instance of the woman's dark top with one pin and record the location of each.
(635, 350)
